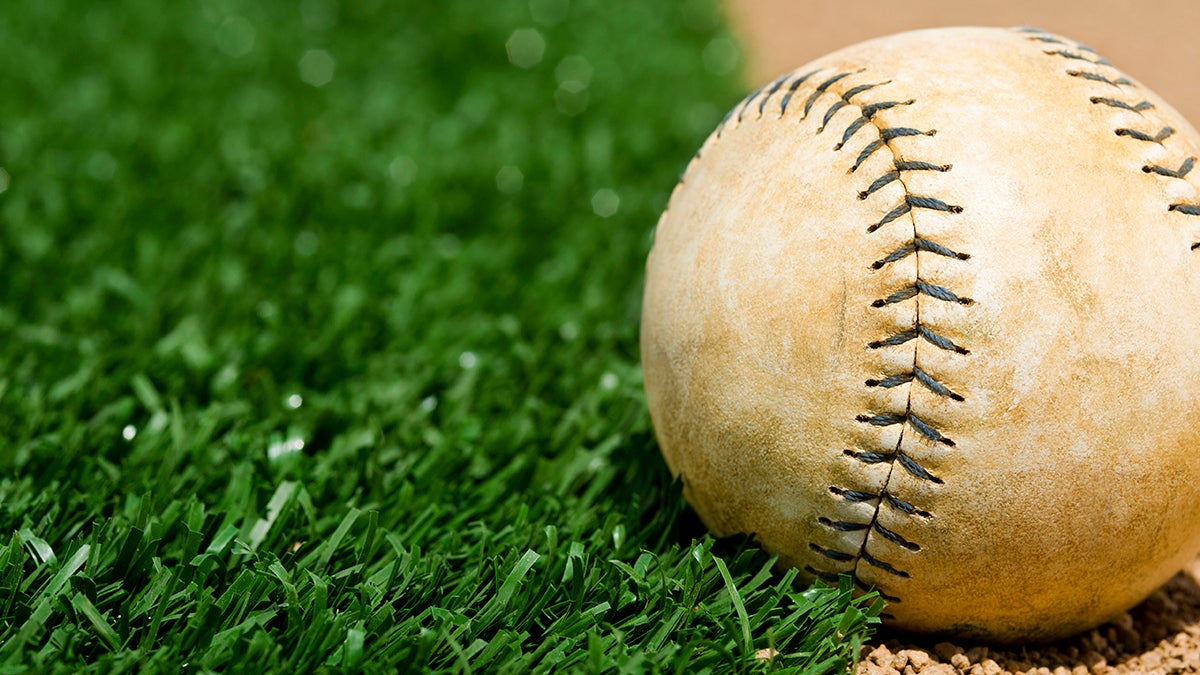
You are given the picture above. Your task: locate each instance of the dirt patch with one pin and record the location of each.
(1159, 636)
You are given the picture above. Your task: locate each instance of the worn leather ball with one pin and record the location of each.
(926, 312)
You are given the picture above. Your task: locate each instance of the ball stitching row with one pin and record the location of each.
(1088, 55)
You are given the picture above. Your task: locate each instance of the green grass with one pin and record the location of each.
(319, 344)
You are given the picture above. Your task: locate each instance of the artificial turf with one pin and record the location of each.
(319, 345)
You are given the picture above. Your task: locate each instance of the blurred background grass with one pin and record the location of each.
(320, 343)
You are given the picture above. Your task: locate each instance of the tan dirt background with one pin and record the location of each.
(1154, 42)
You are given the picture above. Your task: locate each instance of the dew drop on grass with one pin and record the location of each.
(571, 99)
(284, 448)
(316, 67)
(525, 47)
(605, 203)
(609, 381)
(101, 166)
(720, 56)
(509, 179)
(306, 243)
(574, 72)
(468, 360)
(295, 401)
(129, 432)
(235, 37)
(447, 246)
(428, 404)
(402, 170)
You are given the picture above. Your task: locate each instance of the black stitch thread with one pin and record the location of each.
(895, 537)
(837, 105)
(865, 587)
(886, 135)
(870, 457)
(876, 562)
(827, 577)
(915, 245)
(891, 133)
(931, 203)
(894, 340)
(895, 174)
(746, 103)
(821, 88)
(1097, 77)
(935, 386)
(852, 495)
(910, 465)
(783, 103)
(856, 90)
(830, 553)
(899, 296)
(869, 110)
(920, 376)
(842, 525)
(865, 153)
(940, 341)
(879, 183)
(930, 336)
(1140, 106)
(942, 293)
(920, 287)
(924, 428)
(1162, 135)
(914, 202)
(1080, 57)
(851, 130)
(901, 505)
(882, 420)
(932, 290)
(891, 215)
(928, 431)
(857, 496)
(774, 88)
(891, 381)
(922, 166)
(1181, 172)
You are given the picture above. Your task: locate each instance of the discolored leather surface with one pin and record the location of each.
(921, 311)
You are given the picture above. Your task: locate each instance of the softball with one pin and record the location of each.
(926, 312)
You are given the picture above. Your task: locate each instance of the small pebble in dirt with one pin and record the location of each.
(945, 650)
(977, 654)
(918, 659)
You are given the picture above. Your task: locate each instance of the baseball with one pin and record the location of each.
(925, 312)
